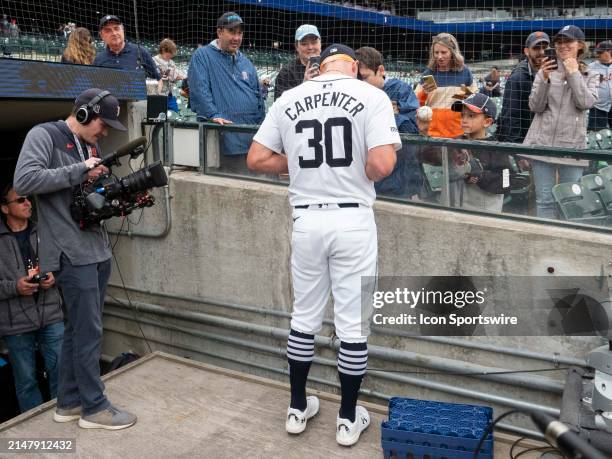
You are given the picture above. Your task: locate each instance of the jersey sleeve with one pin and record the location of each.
(269, 134)
(381, 128)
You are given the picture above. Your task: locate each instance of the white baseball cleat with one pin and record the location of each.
(296, 419)
(347, 432)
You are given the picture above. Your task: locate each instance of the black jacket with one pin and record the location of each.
(290, 76)
(515, 117)
(488, 166)
(22, 314)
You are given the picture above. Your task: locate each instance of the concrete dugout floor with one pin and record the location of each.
(189, 409)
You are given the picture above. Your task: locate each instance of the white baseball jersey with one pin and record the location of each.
(326, 126)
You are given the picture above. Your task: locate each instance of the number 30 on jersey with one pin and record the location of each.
(314, 142)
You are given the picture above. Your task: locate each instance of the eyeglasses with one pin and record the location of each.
(19, 200)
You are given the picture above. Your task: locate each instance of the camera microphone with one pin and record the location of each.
(563, 438)
(133, 148)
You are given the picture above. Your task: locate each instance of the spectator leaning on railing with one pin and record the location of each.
(516, 116)
(561, 95)
(224, 88)
(599, 115)
(406, 180)
(403, 99)
(79, 49)
(446, 66)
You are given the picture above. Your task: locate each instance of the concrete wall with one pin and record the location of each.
(230, 243)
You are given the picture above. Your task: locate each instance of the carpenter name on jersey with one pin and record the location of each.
(325, 99)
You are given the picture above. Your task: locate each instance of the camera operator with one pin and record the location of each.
(55, 158)
(30, 305)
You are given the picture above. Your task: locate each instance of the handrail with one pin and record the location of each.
(501, 147)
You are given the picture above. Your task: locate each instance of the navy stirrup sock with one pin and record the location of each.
(300, 352)
(352, 364)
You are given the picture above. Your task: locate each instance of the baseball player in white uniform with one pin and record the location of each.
(335, 135)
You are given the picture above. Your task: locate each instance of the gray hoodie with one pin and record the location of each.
(49, 167)
(22, 314)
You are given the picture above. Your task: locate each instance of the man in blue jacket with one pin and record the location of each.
(515, 117)
(224, 88)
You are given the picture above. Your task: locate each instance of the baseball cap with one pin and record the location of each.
(478, 103)
(229, 20)
(337, 49)
(570, 31)
(107, 108)
(535, 38)
(603, 46)
(109, 18)
(306, 29)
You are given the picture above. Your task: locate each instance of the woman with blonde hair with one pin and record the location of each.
(446, 76)
(80, 49)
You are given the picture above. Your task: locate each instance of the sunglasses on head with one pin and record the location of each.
(19, 200)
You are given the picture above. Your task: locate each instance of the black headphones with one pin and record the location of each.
(86, 112)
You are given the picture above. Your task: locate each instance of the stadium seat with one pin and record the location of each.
(578, 204)
(592, 143)
(603, 139)
(606, 172)
(601, 186)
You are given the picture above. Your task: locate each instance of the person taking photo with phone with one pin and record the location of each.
(563, 91)
(30, 305)
(446, 76)
(305, 66)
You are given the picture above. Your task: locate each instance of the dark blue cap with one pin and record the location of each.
(335, 49)
(570, 31)
(478, 103)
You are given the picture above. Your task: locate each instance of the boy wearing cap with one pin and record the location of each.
(55, 158)
(307, 45)
(120, 53)
(599, 115)
(515, 117)
(478, 178)
(224, 88)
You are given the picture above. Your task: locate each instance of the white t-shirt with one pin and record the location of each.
(326, 126)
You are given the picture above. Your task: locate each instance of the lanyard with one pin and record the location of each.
(80, 148)
(78, 145)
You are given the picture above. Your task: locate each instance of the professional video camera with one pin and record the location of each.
(109, 196)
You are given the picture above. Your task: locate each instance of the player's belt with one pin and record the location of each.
(341, 205)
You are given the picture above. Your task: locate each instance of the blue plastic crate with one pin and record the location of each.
(436, 429)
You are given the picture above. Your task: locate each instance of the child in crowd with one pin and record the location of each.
(168, 71)
(403, 99)
(478, 179)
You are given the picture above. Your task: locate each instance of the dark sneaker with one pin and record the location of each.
(296, 419)
(67, 415)
(110, 419)
(347, 432)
